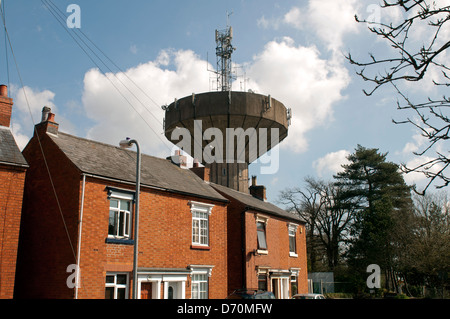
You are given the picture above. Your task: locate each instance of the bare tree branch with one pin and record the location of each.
(411, 64)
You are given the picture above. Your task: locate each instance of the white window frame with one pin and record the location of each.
(292, 232)
(117, 286)
(201, 213)
(114, 195)
(200, 275)
(264, 220)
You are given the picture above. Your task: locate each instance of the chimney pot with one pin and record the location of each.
(48, 123)
(45, 112)
(3, 90)
(196, 164)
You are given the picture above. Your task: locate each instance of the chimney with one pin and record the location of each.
(257, 191)
(6, 104)
(179, 160)
(48, 124)
(201, 171)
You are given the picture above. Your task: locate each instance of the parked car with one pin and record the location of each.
(251, 294)
(308, 296)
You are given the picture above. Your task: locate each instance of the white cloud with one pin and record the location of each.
(20, 138)
(28, 100)
(418, 178)
(330, 20)
(295, 18)
(418, 144)
(120, 109)
(294, 75)
(27, 112)
(331, 163)
(302, 81)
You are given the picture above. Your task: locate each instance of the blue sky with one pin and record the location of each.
(290, 49)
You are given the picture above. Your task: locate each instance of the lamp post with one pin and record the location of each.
(127, 143)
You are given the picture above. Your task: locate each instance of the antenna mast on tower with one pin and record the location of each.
(224, 49)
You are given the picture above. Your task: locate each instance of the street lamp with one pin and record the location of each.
(127, 143)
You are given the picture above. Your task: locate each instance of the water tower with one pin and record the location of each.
(240, 112)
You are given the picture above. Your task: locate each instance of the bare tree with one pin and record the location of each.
(328, 217)
(429, 252)
(307, 204)
(411, 63)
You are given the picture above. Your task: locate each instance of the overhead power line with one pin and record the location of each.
(94, 53)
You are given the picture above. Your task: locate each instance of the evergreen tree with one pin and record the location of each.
(377, 190)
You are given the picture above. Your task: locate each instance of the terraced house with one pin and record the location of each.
(266, 244)
(13, 167)
(80, 211)
(197, 239)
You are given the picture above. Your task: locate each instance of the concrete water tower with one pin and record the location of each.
(245, 114)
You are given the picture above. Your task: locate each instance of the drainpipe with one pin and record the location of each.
(80, 227)
(244, 249)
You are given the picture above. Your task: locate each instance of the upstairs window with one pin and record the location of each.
(261, 234)
(292, 230)
(200, 223)
(200, 228)
(119, 218)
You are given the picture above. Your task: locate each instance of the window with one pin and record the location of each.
(294, 279)
(119, 218)
(294, 288)
(262, 282)
(199, 283)
(200, 223)
(292, 230)
(116, 286)
(261, 234)
(199, 286)
(200, 229)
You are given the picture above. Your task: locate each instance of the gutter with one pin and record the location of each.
(15, 164)
(293, 218)
(80, 228)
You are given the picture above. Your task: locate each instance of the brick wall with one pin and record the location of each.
(242, 266)
(165, 224)
(11, 194)
(278, 257)
(5, 110)
(49, 235)
(49, 226)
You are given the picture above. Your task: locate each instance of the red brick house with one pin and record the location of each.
(12, 177)
(266, 244)
(78, 210)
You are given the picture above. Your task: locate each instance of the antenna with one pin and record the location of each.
(224, 49)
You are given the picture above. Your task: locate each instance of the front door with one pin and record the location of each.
(146, 290)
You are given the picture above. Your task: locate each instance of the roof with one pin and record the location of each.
(256, 204)
(104, 160)
(9, 151)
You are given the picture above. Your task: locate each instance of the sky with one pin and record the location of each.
(140, 55)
